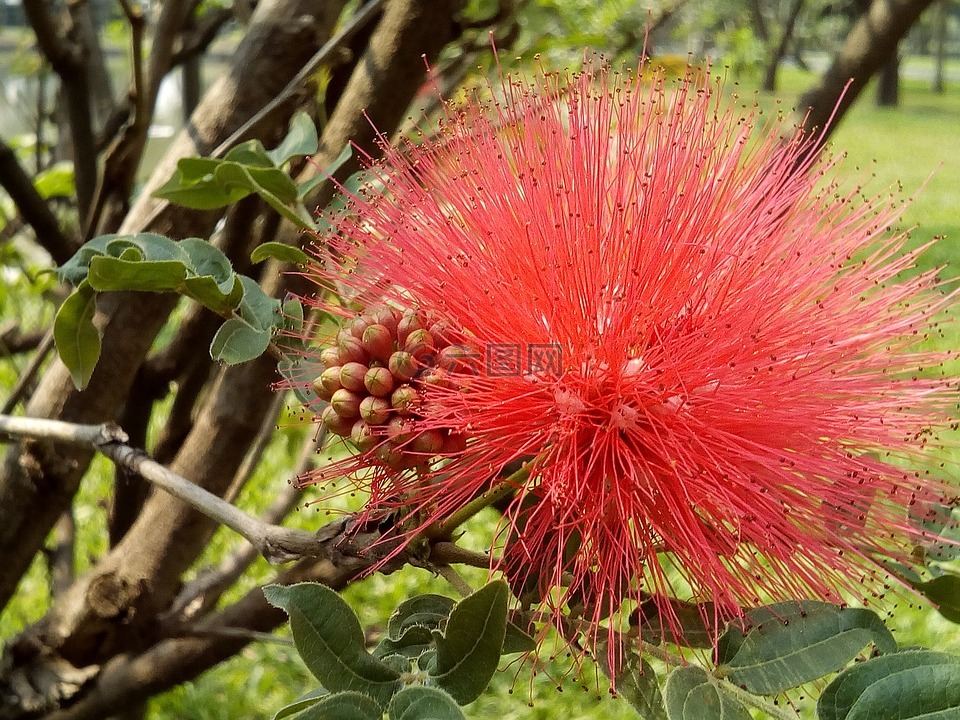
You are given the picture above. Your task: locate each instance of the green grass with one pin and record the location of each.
(914, 145)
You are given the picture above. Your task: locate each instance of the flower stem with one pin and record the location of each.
(445, 527)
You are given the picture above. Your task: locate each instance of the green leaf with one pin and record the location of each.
(250, 153)
(516, 640)
(137, 247)
(424, 703)
(237, 341)
(912, 684)
(110, 273)
(256, 307)
(194, 185)
(279, 251)
(686, 627)
(208, 259)
(330, 640)
(690, 694)
(636, 682)
(56, 181)
(792, 643)
(308, 185)
(301, 703)
(944, 592)
(216, 285)
(349, 705)
(413, 643)
(469, 651)
(77, 338)
(428, 610)
(301, 140)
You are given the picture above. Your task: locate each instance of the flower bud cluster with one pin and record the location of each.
(374, 380)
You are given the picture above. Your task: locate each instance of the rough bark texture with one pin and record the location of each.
(870, 44)
(37, 484)
(108, 644)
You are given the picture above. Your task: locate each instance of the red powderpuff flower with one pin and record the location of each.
(709, 355)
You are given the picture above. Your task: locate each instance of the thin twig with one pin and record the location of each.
(502, 489)
(29, 375)
(201, 594)
(450, 574)
(356, 23)
(277, 544)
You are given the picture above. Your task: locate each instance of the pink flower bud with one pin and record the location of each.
(330, 357)
(359, 324)
(378, 341)
(335, 423)
(327, 383)
(352, 350)
(379, 381)
(420, 343)
(386, 316)
(408, 323)
(351, 376)
(405, 400)
(399, 429)
(429, 442)
(403, 365)
(362, 436)
(346, 403)
(375, 410)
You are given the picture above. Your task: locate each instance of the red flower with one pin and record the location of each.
(706, 351)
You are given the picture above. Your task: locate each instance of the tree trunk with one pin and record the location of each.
(888, 84)
(770, 75)
(940, 47)
(870, 44)
(38, 481)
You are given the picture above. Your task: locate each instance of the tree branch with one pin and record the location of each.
(274, 542)
(33, 208)
(68, 57)
(869, 45)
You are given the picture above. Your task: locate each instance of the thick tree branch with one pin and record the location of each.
(34, 490)
(59, 43)
(274, 542)
(33, 208)
(870, 44)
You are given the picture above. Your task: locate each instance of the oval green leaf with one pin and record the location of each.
(690, 694)
(349, 705)
(237, 342)
(77, 338)
(944, 592)
(109, 273)
(900, 682)
(300, 141)
(428, 610)
(423, 703)
(301, 703)
(279, 251)
(330, 640)
(469, 650)
(793, 643)
(636, 682)
(256, 307)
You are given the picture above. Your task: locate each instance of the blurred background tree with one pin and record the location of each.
(114, 593)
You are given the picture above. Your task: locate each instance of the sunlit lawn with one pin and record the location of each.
(914, 145)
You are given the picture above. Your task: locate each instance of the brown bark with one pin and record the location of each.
(282, 36)
(114, 609)
(870, 44)
(60, 39)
